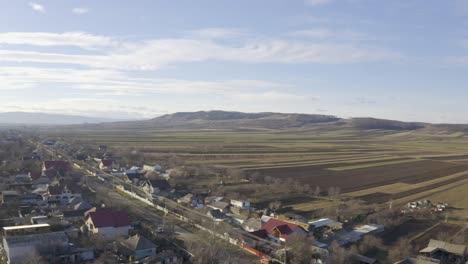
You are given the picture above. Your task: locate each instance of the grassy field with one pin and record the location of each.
(373, 165)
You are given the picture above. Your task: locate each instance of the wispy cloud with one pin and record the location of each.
(37, 7)
(325, 33)
(80, 10)
(79, 39)
(317, 2)
(153, 54)
(121, 83)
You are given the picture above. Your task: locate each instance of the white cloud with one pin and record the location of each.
(325, 33)
(120, 83)
(79, 39)
(156, 53)
(317, 2)
(218, 33)
(80, 10)
(37, 7)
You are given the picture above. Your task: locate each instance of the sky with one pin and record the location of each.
(400, 59)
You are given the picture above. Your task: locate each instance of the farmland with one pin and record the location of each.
(371, 165)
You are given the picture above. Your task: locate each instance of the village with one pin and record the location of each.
(57, 215)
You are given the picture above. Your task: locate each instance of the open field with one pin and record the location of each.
(408, 229)
(442, 231)
(372, 165)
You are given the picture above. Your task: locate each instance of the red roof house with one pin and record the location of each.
(108, 223)
(280, 230)
(57, 165)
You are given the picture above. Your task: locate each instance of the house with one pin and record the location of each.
(239, 219)
(133, 174)
(323, 225)
(108, 223)
(156, 186)
(218, 205)
(165, 257)
(61, 194)
(21, 248)
(77, 209)
(194, 200)
(445, 252)
(10, 231)
(279, 230)
(245, 205)
(216, 215)
(417, 261)
(151, 168)
(360, 259)
(136, 248)
(31, 199)
(23, 179)
(252, 224)
(9, 197)
(358, 233)
(61, 166)
(109, 165)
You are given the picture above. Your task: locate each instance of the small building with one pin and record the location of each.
(279, 231)
(156, 186)
(359, 232)
(108, 223)
(325, 223)
(252, 224)
(418, 260)
(136, 248)
(217, 215)
(10, 231)
(239, 219)
(61, 194)
(21, 248)
(445, 252)
(31, 199)
(194, 200)
(152, 168)
(218, 205)
(245, 205)
(360, 259)
(59, 165)
(109, 165)
(9, 197)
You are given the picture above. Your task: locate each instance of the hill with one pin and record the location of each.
(225, 120)
(28, 118)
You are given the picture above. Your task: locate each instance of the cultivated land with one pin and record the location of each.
(373, 165)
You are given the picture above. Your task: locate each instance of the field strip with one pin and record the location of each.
(370, 165)
(425, 194)
(310, 206)
(324, 162)
(409, 187)
(381, 189)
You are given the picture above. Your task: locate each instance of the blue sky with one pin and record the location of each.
(399, 59)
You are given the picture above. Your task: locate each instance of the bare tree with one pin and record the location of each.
(369, 243)
(317, 191)
(339, 255)
(274, 206)
(299, 249)
(209, 250)
(401, 249)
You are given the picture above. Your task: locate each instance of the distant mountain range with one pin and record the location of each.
(224, 120)
(28, 118)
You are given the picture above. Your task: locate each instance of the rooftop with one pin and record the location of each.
(10, 228)
(55, 237)
(109, 218)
